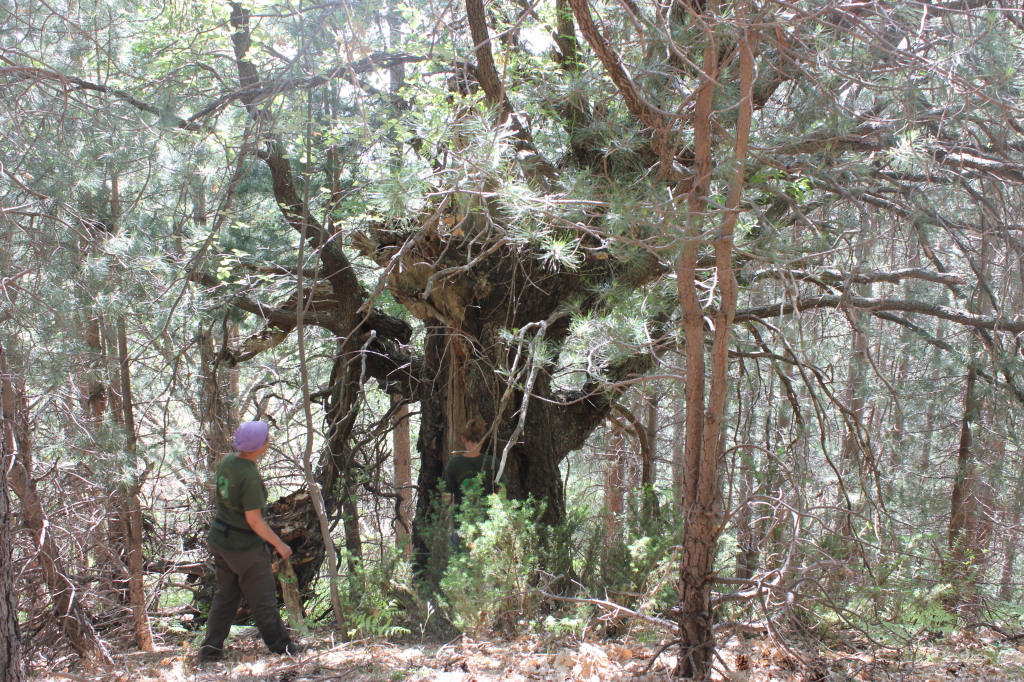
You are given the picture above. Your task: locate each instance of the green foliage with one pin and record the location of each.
(370, 597)
(638, 565)
(488, 585)
(926, 609)
(572, 621)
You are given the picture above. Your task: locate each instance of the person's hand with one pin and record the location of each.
(284, 550)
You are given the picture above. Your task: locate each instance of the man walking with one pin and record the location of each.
(238, 540)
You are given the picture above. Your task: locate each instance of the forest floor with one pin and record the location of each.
(967, 656)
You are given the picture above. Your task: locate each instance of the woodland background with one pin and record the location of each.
(737, 286)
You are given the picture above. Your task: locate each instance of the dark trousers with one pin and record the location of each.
(244, 574)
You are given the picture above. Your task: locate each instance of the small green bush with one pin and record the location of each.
(371, 597)
(488, 584)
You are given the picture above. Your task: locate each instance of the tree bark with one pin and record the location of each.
(218, 388)
(703, 446)
(956, 568)
(649, 473)
(132, 507)
(964, 542)
(1011, 546)
(341, 477)
(403, 475)
(852, 454)
(649, 469)
(614, 483)
(11, 664)
(748, 540)
(431, 446)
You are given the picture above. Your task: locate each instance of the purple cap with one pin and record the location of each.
(251, 436)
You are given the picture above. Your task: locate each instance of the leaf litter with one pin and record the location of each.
(962, 657)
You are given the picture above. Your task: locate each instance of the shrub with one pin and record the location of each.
(488, 583)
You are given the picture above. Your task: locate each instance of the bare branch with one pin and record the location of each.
(974, 320)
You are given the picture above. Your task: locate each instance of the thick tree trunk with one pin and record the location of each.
(467, 354)
(429, 546)
(340, 473)
(701, 494)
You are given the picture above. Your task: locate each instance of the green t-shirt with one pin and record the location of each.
(240, 489)
(461, 469)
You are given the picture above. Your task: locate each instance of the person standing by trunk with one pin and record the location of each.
(474, 466)
(238, 540)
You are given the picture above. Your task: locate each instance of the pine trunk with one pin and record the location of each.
(11, 664)
(702, 516)
(614, 484)
(131, 508)
(957, 568)
(403, 475)
(1011, 545)
(217, 399)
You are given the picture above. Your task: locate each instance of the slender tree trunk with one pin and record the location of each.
(11, 664)
(956, 568)
(678, 463)
(95, 398)
(1011, 545)
(614, 483)
(649, 471)
(966, 555)
(747, 537)
(341, 404)
(935, 376)
(218, 417)
(132, 514)
(645, 432)
(704, 420)
(93, 389)
(852, 455)
(403, 475)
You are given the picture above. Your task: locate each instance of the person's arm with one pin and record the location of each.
(254, 517)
